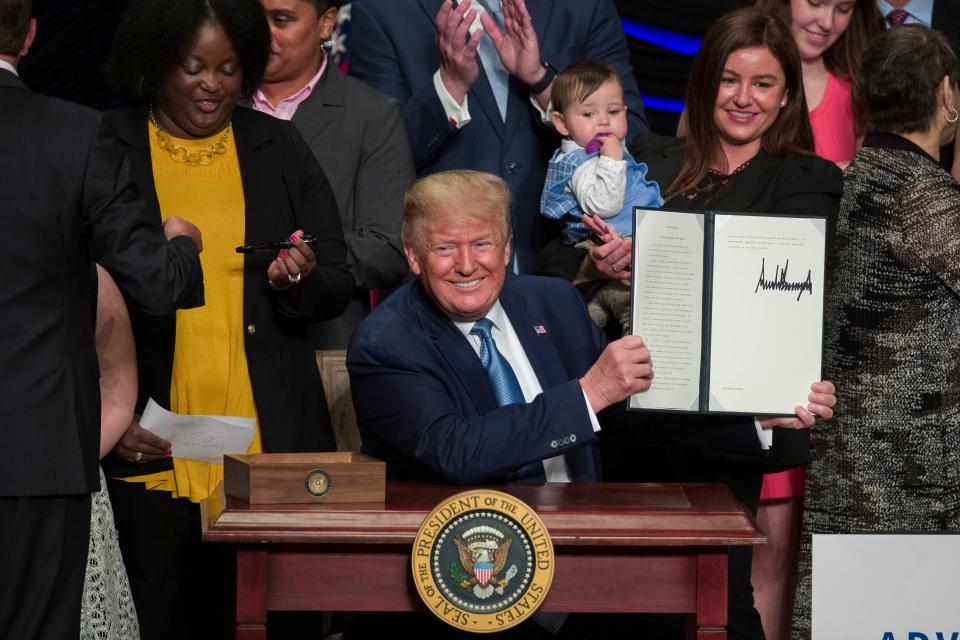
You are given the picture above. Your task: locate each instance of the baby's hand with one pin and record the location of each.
(611, 147)
(594, 145)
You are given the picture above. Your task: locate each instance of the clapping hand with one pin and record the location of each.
(457, 48)
(517, 43)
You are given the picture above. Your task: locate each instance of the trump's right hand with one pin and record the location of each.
(176, 226)
(623, 369)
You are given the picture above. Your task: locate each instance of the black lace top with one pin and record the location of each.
(709, 191)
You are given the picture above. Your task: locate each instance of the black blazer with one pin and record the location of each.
(794, 183)
(66, 202)
(284, 189)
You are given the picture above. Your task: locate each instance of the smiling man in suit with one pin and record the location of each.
(467, 375)
(475, 81)
(470, 375)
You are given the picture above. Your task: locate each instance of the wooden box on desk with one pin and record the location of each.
(304, 478)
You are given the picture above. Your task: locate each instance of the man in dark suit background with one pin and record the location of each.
(66, 203)
(478, 101)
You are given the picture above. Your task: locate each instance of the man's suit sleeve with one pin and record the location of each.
(409, 417)
(157, 275)
(383, 177)
(607, 43)
(326, 291)
(374, 60)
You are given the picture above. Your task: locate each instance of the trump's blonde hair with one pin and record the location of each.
(456, 196)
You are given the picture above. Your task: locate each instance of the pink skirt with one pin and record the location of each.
(785, 484)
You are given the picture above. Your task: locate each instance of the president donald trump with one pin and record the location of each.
(466, 375)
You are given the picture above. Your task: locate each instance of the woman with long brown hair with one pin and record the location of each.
(831, 36)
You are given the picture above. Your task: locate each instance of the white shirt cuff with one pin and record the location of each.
(458, 114)
(593, 416)
(546, 116)
(765, 435)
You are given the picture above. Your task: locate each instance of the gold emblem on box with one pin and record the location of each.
(482, 561)
(317, 482)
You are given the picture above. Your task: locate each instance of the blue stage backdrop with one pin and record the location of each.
(663, 36)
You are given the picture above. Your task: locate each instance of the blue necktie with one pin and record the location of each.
(507, 390)
(502, 378)
(497, 74)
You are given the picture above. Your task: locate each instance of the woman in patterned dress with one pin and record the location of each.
(891, 460)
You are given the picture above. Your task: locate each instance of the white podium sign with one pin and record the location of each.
(886, 587)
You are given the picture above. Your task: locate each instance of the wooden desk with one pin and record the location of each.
(659, 548)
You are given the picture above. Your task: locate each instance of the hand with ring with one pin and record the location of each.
(141, 445)
(292, 265)
(612, 258)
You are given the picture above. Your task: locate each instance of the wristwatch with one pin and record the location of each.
(551, 73)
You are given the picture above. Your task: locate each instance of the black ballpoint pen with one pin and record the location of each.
(262, 247)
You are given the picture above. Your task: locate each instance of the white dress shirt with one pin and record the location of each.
(918, 11)
(9, 67)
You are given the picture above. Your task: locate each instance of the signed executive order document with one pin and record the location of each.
(731, 308)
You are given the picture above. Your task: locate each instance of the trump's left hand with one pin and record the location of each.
(293, 264)
(822, 399)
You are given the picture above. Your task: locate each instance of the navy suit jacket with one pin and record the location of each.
(393, 47)
(425, 406)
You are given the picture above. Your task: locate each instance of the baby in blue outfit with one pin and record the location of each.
(592, 172)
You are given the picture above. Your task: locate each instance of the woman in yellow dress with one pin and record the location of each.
(244, 178)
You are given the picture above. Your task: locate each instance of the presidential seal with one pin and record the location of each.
(482, 561)
(317, 482)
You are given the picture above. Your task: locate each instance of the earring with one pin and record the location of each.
(327, 44)
(956, 116)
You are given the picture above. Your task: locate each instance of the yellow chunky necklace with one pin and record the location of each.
(186, 155)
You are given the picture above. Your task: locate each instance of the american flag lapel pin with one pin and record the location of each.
(539, 329)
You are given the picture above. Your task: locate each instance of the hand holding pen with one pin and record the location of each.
(293, 264)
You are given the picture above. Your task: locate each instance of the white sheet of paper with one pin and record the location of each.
(202, 438)
(668, 305)
(767, 331)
